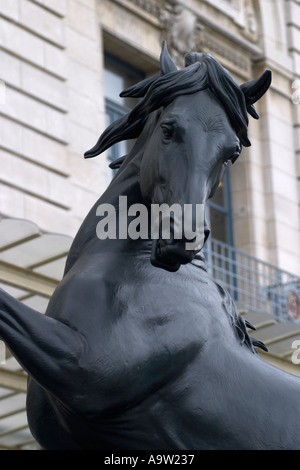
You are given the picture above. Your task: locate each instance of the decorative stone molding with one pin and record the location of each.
(184, 32)
(181, 29)
(184, 29)
(250, 29)
(209, 43)
(150, 6)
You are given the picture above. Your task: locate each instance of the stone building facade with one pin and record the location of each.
(53, 55)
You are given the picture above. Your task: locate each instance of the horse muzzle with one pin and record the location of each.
(171, 249)
(170, 255)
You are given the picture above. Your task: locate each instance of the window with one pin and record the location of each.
(219, 212)
(220, 257)
(118, 76)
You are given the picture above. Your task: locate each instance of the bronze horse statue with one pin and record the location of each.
(140, 348)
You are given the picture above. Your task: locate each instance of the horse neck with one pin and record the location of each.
(125, 183)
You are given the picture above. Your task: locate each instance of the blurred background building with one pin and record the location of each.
(63, 64)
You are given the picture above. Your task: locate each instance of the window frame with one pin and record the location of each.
(226, 209)
(114, 110)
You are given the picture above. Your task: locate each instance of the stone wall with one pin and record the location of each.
(50, 57)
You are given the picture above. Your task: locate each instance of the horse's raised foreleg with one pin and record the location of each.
(47, 349)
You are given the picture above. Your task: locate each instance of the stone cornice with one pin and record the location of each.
(253, 49)
(149, 10)
(154, 11)
(186, 27)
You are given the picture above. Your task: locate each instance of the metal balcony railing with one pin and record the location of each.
(255, 286)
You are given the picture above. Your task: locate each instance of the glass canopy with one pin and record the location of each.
(31, 265)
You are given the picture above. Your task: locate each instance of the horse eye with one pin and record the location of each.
(167, 130)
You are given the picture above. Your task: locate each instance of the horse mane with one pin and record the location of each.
(239, 324)
(201, 71)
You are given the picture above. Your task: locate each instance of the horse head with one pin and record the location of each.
(200, 117)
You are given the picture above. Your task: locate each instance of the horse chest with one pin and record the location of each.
(163, 325)
(142, 329)
(140, 304)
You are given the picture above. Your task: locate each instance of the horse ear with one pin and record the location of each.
(166, 62)
(254, 90)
